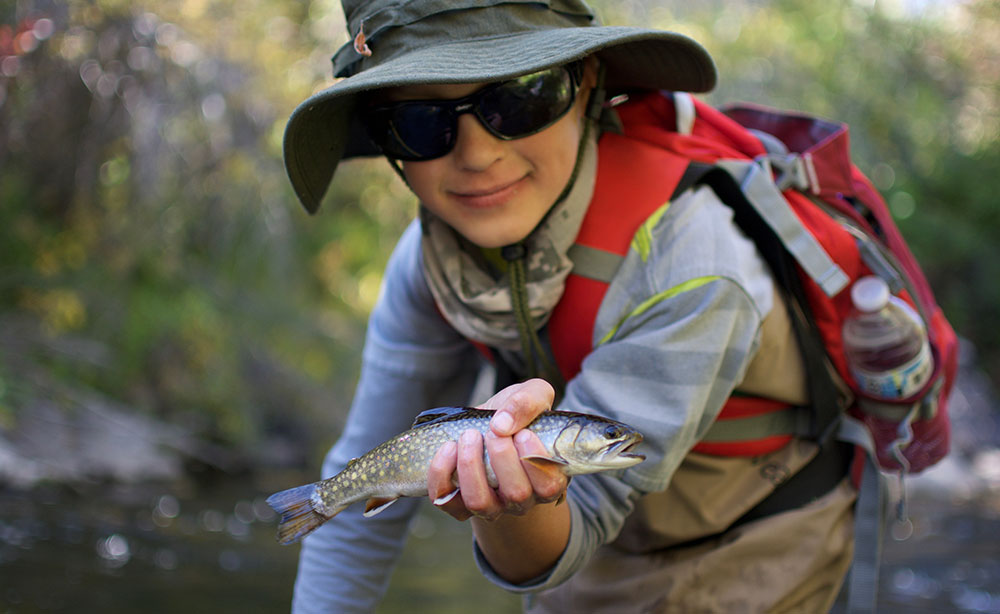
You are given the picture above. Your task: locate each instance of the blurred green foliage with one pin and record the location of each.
(144, 208)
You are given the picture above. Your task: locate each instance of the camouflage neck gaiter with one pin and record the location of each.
(477, 304)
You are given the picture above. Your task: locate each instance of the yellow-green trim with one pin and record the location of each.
(644, 306)
(642, 242)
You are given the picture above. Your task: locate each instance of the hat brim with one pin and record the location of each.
(325, 128)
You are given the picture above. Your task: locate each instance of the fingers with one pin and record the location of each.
(440, 484)
(460, 464)
(514, 488)
(547, 485)
(477, 493)
(518, 485)
(516, 406)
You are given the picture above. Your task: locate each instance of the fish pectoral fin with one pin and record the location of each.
(446, 497)
(545, 463)
(376, 504)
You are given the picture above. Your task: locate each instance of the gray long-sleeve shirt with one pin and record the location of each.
(673, 337)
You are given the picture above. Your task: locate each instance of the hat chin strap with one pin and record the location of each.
(591, 117)
(537, 359)
(396, 166)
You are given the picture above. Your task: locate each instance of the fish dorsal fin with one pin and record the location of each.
(439, 414)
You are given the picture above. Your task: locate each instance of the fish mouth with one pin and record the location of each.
(625, 449)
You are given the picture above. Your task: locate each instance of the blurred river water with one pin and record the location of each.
(87, 525)
(171, 548)
(174, 548)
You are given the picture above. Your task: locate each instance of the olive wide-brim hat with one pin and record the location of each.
(400, 42)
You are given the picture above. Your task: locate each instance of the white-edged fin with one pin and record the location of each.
(377, 504)
(298, 516)
(445, 498)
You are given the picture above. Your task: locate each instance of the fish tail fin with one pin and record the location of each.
(298, 514)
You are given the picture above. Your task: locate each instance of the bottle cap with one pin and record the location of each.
(870, 293)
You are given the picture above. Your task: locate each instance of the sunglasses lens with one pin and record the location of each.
(416, 130)
(413, 131)
(527, 104)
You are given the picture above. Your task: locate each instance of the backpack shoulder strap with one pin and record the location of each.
(634, 179)
(827, 397)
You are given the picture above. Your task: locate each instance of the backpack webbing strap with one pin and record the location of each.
(824, 394)
(869, 514)
(794, 421)
(829, 418)
(758, 188)
(594, 263)
(601, 265)
(772, 208)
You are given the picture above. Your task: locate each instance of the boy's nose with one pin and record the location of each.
(475, 148)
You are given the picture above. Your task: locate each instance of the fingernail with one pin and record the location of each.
(503, 423)
(523, 437)
(469, 437)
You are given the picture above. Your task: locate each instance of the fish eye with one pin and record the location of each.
(613, 431)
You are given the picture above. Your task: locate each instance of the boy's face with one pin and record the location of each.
(495, 192)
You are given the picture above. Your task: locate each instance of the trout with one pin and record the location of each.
(576, 444)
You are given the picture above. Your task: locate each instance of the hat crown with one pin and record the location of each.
(404, 42)
(395, 27)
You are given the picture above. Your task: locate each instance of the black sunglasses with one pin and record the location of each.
(416, 130)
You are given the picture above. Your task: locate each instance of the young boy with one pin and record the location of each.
(500, 118)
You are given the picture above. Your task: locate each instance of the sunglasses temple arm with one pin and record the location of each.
(396, 166)
(600, 111)
(595, 105)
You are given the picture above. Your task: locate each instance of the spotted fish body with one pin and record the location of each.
(575, 444)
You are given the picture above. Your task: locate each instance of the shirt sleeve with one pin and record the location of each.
(412, 360)
(673, 337)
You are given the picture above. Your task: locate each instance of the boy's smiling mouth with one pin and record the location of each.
(490, 196)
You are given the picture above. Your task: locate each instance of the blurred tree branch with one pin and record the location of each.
(144, 207)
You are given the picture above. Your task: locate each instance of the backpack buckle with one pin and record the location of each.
(791, 170)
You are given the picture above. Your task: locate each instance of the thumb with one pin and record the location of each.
(518, 405)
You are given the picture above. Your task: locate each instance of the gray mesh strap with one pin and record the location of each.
(760, 191)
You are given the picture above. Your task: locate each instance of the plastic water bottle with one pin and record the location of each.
(885, 342)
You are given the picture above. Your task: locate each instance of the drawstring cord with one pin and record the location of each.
(514, 255)
(536, 358)
(532, 350)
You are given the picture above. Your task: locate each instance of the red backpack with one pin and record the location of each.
(820, 225)
(817, 221)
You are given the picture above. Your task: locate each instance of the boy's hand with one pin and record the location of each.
(520, 485)
(516, 406)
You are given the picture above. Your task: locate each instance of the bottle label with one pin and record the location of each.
(899, 383)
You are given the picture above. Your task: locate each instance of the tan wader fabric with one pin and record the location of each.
(674, 553)
(789, 562)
